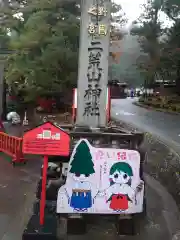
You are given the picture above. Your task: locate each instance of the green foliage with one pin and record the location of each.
(160, 43)
(172, 9)
(45, 45)
(44, 40)
(82, 161)
(148, 28)
(167, 103)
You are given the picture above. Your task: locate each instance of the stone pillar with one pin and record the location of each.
(93, 63)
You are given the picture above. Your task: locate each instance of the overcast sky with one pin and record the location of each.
(131, 8)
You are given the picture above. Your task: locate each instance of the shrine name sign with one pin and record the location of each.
(46, 139)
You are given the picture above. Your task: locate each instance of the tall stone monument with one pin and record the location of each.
(93, 63)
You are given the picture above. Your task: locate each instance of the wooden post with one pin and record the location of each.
(43, 191)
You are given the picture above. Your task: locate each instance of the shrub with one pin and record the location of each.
(141, 99)
(177, 108)
(173, 107)
(150, 99)
(155, 104)
(11, 107)
(167, 106)
(147, 102)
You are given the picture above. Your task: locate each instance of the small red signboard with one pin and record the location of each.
(46, 139)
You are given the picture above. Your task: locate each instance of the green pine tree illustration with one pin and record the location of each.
(82, 161)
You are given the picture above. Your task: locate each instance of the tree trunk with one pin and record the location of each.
(4, 105)
(178, 79)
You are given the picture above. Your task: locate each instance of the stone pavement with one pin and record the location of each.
(17, 187)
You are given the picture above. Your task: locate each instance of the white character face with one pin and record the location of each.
(120, 177)
(81, 177)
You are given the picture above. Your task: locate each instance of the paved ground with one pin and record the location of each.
(164, 125)
(17, 186)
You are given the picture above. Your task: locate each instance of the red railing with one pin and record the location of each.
(11, 146)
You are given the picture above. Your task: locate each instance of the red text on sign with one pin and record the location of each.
(122, 155)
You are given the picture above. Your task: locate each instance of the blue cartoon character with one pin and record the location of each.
(80, 192)
(120, 192)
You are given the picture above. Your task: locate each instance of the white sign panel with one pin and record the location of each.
(102, 181)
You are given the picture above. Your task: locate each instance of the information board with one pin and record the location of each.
(46, 139)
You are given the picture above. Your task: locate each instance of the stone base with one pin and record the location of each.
(125, 227)
(76, 226)
(34, 231)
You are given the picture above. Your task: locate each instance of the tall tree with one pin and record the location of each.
(118, 20)
(45, 41)
(171, 51)
(172, 9)
(149, 30)
(45, 45)
(161, 43)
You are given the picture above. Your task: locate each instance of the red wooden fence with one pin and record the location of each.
(11, 146)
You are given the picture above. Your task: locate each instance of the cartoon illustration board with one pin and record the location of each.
(79, 188)
(120, 193)
(101, 183)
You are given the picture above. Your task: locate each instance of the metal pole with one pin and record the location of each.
(93, 63)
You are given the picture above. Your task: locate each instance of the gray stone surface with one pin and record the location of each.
(85, 61)
(17, 187)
